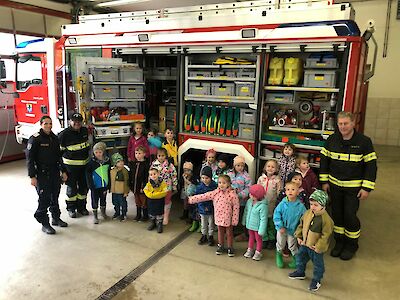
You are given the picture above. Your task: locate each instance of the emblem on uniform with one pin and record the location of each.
(29, 108)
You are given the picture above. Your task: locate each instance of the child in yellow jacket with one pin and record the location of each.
(155, 191)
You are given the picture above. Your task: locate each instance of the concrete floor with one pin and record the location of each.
(84, 260)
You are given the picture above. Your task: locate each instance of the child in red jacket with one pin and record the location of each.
(137, 139)
(226, 211)
(310, 181)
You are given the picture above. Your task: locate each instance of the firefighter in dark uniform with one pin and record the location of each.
(75, 154)
(348, 172)
(44, 168)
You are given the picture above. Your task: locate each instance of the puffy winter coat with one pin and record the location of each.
(205, 208)
(98, 173)
(133, 143)
(272, 186)
(287, 165)
(288, 214)
(167, 173)
(241, 182)
(255, 216)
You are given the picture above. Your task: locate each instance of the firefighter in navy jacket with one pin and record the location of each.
(75, 154)
(44, 167)
(348, 171)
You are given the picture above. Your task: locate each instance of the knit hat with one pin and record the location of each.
(224, 157)
(291, 175)
(206, 171)
(257, 190)
(188, 166)
(238, 160)
(100, 146)
(211, 151)
(115, 158)
(320, 196)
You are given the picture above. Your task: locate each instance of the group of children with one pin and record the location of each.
(270, 214)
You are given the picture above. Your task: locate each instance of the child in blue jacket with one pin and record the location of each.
(287, 216)
(255, 219)
(206, 209)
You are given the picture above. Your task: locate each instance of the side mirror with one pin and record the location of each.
(2, 74)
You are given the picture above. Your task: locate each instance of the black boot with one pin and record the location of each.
(159, 226)
(152, 225)
(56, 221)
(95, 217)
(211, 241)
(84, 212)
(339, 245)
(145, 216)
(46, 228)
(349, 249)
(202, 240)
(103, 212)
(72, 214)
(138, 214)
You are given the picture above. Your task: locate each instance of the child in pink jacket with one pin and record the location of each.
(226, 211)
(137, 139)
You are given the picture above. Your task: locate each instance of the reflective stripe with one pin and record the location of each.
(370, 157)
(345, 183)
(75, 162)
(72, 198)
(342, 156)
(62, 148)
(352, 235)
(325, 152)
(368, 184)
(81, 197)
(338, 229)
(78, 147)
(323, 177)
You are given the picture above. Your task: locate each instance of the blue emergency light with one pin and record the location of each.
(26, 43)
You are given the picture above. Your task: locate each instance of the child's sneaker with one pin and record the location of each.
(314, 285)
(220, 249)
(122, 218)
(116, 216)
(257, 256)
(202, 240)
(211, 241)
(231, 252)
(249, 253)
(297, 275)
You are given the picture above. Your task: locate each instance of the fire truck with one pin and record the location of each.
(243, 78)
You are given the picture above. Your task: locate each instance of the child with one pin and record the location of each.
(222, 166)
(206, 209)
(137, 139)
(296, 178)
(271, 182)
(154, 143)
(155, 191)
(171, 146)
(188, 189)
(98, 179)
(287, 162)
(226, 211)
(211, 157)
(241, 182)
(255, 220)
(139, 172)
(313, 234)
(119, 177)
(310, 181)
(169, 176)
(286, 218)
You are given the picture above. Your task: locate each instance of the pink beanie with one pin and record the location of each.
(211, 151)
(257, 190)
(238, 160)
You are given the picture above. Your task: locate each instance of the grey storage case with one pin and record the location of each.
(222, 89)
(248, 116)
(244, 89)
(247, 131)
(130, 74)
(132, 91)
(320, 78)
(109, 74)
(199, 88)
(105, 91)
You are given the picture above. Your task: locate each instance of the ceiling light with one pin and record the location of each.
(119, 3)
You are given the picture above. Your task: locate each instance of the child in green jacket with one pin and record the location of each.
(255, 219)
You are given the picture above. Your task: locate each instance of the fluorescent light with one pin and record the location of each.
(119, 2)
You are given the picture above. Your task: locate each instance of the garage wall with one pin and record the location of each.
(383, 106)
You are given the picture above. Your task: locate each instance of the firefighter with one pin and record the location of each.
(44, 168)
(348, 172)
(75, 148)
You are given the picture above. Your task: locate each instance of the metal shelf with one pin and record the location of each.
(117, 83)
(212, 98)
(222, 78)
(300, 130)
(317, 148)
(117, 147)
(300, 89)
(222, 66)
(160, 77)
(112, 136)
(117, 122)
(314, 165)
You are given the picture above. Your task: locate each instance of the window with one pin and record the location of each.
(29, 71)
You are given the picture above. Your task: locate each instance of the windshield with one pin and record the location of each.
(29, 71)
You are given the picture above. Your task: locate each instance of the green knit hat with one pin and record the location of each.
(319, 196)
(116, 157)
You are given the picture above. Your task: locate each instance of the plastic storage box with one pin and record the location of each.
(247, 131)
(199, 88)
(248, 116)
(283, 98)
(130, 74)
(222, 89)
(244, 89)
(224, 74)
(165, 71)
(321, 61)
(105, 74)
(104, 91)
(293, 71)
(320, 78)
(199, 74)
(112, 130)
(276, 71)
(132, 91)
(246, 73)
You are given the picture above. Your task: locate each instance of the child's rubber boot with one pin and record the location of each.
(199, 228)
(292, 264)
(279, 259)
(194, 227)
(95, 218)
